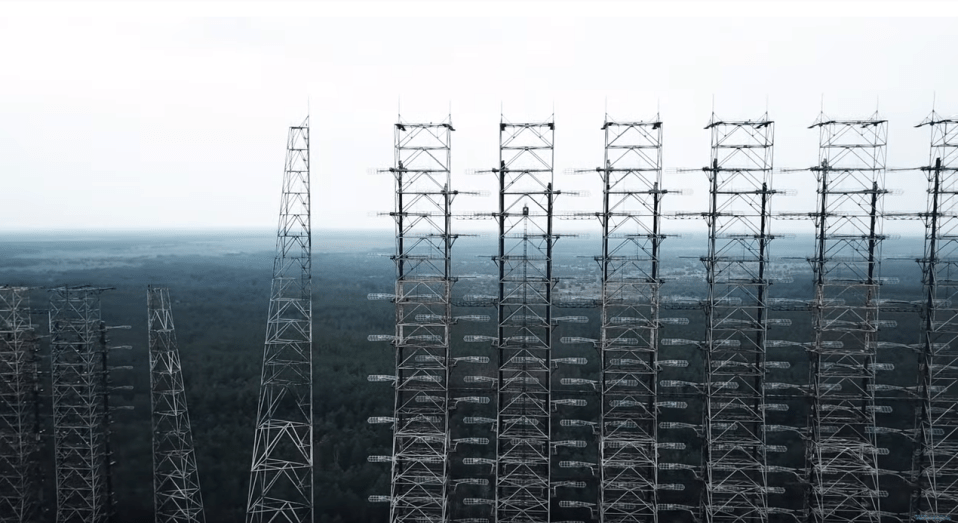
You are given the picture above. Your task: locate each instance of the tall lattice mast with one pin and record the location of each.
(842, 456)
(740, 174)
(423, 299)
(176, 482)
(281, 476)
(629, 340)
(525, 322)
(19, 405)
(935, 469)
(80, 406)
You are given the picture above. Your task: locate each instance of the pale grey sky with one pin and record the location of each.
(113, 117)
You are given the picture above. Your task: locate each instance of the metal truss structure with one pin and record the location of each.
(423, 301)
(629, 340)
(935, 468)
(524, 480)
(281, 475)
(80, 406)
(19, 409)
(842, 454)
(176, 482)
(525, 322)
(736, 308)
(840, 471)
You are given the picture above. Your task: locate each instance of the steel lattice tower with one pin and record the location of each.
(524, 321)
(423, 300)
(281, 476)
(19, 406)
(80, 406)
(629, 340)
(935, 469)
(842, 456)
(735, 471)
(176, 482)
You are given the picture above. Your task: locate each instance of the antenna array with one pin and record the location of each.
(281, 475)
(176, 481)
(524, 322)
(842, 453)
(19, 409)
(935, 471)
(629, 340)
(735, 469)
(423, 302)
(81, 418)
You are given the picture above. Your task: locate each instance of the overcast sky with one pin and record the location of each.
(152, 118)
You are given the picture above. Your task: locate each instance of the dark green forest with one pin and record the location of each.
(220, 291)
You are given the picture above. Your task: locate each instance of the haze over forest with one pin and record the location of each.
(219, 283)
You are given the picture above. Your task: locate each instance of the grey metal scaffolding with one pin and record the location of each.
(737, 276)
(629, 339)
(842, 455)
(935, 467)
(176, 482)
(524, 324)
(419, 478)
(19, 409)
(81, 418)
(742, 404)
(281, 475)
(523, 340)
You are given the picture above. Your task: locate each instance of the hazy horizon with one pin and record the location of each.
(190, 132)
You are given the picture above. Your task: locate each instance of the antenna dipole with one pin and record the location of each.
(281, 475)
(80, 406)
(934, 472)
(176, 482)
(842, 366)
(19, 406)
(419, 476)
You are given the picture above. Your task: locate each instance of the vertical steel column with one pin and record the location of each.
(19, 423)
(176, 481)
(281, 475)
(423, 299)
(736, 486)
(80, 409)
(629, 340)
(842, 456)
(935, 467)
